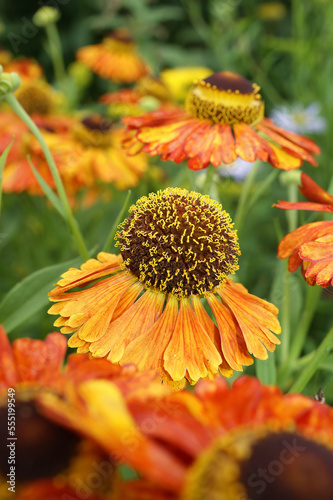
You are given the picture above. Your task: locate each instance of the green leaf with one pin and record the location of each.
(266, 369)
(31, 294)
(3, 159)
(51, 196)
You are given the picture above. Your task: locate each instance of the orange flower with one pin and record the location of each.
(27, 68)
(223, 120)
(176, 247)
(50, 460)
(91, 153)
(249, 441)
(312, 244)
(115, 58)
(149, 93)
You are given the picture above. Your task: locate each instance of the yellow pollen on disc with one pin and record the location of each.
(179, 242)
(225, 97)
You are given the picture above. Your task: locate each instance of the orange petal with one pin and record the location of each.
(190, 349)
(287, 144)
(250, 145)
(137, 319)
(303, 234)
(232, 342)
(254, 317)
(9, 376)
(313, 192)
(300, 140)
(213, 333)
(146, 351)
(304, 205)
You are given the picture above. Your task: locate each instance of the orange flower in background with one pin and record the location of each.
(145, 307)
(148, 94)
(223, 119)
(50, 460)
(249, 441)
(116, 58)
(27, 68)
(311, 244)
(91, 153)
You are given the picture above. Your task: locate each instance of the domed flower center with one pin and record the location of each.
(42, 448)
(262, 465)
(225, 97)
(179, 243)
(93, 131)
(35, 100)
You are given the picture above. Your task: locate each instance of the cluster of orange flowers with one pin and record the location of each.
(165, 311)
(77, 426)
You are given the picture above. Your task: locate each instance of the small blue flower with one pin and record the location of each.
(299, 119)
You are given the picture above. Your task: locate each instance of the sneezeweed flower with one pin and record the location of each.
(311, 244)
(91, 153)
(27, 68)
(176, 248)
(50, 460)
(148, 94)
(300, 119)
(245, 442)
(223, 119)
(116, 58)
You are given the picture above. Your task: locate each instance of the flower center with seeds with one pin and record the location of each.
(261, 464)
(179, 243)
(93, 131)
(35, 100)
(225, 97)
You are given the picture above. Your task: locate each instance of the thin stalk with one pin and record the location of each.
(285, 317)
(292, 215)
(56, 52)
(207, 187)
(298, 340)
(246, 189)
(264, 185)
(16, 106)
(317, 358)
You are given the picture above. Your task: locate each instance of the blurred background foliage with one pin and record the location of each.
(286, 47)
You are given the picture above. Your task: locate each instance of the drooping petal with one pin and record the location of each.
(300, 140)
(313, 192)
(303, 205)
(319, 255)
(250, 145)
(303, 234)
(232, 342)
(190, 348)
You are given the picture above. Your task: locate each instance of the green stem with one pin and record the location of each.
(298, 340)
(246, 189)
(292, 215)
(16, 106)
(264, 185)
(317, 357)
(207, 187)
(285, 317)
(56, 53)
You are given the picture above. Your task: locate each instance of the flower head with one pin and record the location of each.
(300, 119)
(249, 441)
(311, 244)
(145, 307)
(115, 58)
(223, 120)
